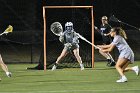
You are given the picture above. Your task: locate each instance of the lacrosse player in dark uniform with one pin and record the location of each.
(104, 31)
(70, 40)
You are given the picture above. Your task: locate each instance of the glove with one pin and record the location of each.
(61, 38)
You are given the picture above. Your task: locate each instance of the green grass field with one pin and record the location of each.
(101, 79)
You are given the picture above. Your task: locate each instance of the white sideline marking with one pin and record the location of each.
(67, 91)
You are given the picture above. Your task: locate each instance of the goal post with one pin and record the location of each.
(45, 28)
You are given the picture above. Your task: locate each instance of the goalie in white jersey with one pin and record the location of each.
(70, 40)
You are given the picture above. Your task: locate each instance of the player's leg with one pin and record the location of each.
(76, 54)
(120, 68)
(104, 54)
(109, 58)
(4, 67)
(62, 55)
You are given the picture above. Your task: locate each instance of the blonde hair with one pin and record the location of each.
(120, 31)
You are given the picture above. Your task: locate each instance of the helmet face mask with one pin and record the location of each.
(69, 26)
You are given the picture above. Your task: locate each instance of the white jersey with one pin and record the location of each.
(123, 47)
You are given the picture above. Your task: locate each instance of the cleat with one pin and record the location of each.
(9, 74)
(82, 68)
(121, 80)
(136, 70)
(110, 63)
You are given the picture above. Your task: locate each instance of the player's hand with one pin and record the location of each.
(104, 51)
(96, 28)
(96, 47)
(105, 34)
(61, 38)
(61, 34)
(99, 46)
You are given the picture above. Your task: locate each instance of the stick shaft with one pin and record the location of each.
(87, 41)
(93, 44)
(2, 34)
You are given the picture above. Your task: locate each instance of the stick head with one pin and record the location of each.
(56, 28)
(9, 29)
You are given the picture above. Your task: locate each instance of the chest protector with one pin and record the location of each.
(71, 38)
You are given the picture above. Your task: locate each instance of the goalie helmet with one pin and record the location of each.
(69, 26)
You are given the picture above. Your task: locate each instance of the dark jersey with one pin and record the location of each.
(105, 30)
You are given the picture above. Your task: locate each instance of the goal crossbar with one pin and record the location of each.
(68, 6)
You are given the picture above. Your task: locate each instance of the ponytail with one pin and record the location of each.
(121, 32)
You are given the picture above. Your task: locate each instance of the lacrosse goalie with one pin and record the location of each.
(70, 40)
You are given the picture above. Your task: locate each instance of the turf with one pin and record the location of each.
(101, 79)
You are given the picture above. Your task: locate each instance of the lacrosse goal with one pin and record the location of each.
(81, 16)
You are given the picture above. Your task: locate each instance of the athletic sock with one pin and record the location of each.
(81, 65)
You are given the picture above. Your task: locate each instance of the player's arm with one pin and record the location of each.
(96, 28)
(107, 48)
(107, 34)
(103, 46)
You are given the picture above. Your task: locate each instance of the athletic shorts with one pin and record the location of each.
(128, 54)
(74, 46)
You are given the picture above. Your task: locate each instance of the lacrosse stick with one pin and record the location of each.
(81, 37)
(9, 29)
